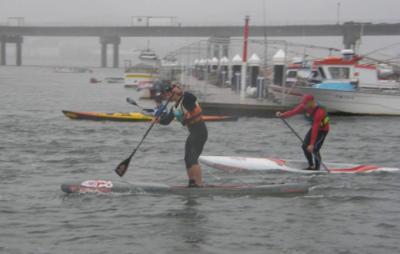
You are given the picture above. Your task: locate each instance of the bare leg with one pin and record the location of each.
(194, 173)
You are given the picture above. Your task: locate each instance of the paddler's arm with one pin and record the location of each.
(298, 109)
(166, 118)
(318, 116)
(189, 102)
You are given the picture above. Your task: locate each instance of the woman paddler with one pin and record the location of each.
(319, 130)
(188, 112)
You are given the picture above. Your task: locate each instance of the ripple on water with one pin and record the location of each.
(40, 149)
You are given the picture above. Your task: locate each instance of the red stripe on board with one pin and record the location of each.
(84, 189)
(361, 168)
(277, 161)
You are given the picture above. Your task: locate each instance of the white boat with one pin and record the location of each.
(286, 78)
(108, 80)
(114, 80)
(297, 74)
(67, 69)
(148, 55)
(362, 101)
(343, 84)
(141, 73)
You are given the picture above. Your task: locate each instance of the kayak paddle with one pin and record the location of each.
(133, 102)
(302, 141)
(123, 166)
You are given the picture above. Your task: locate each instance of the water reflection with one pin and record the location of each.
(188, 224)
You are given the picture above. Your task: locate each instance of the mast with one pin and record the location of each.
(244, 58)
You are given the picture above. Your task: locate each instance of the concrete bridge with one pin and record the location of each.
(350, 31)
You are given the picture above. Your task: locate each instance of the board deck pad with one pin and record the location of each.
(107, 186)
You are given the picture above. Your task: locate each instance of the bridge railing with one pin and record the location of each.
(192, 24)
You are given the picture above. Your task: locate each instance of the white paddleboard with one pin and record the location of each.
(107, 186)
(237, 164)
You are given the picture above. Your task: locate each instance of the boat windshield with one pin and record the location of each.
(321, 72)
(292, 74)
(339, 72)
(305, 73)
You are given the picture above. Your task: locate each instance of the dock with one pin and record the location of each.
(216, 100)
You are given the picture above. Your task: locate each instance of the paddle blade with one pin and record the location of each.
(131, 101)
(123, 167)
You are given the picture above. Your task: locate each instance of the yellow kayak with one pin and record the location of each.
(131, 117)
(119, 117)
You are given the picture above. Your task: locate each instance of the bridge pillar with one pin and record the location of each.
(3, 50)
(352, 33)
(17, 39)
(19, 52)
(115, 41)
(116, 54)
(103, 55)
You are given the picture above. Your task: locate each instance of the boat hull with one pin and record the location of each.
(134, 79)
(288, 96)
(356, 102)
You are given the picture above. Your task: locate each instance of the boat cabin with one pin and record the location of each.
(345, 72)
(297, 72)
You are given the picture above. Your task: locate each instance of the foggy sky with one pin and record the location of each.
(85, 51)
(104, 12)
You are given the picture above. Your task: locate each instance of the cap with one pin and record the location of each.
(307, 98)
(168, 88)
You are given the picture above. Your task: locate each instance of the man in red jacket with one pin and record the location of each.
(316, 135)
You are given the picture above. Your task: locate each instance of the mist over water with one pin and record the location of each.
(66, 51)
(40, 149)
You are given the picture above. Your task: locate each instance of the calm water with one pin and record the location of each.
(40, 149)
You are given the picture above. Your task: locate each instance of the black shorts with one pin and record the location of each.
(195, 143)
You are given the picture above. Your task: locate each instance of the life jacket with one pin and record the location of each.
(310, 117)
(185, 117)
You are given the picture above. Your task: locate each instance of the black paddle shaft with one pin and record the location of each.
(294, 132)
(123, 166)
(302, 141)
(134, 103)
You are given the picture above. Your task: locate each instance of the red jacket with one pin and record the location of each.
(318, 114)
